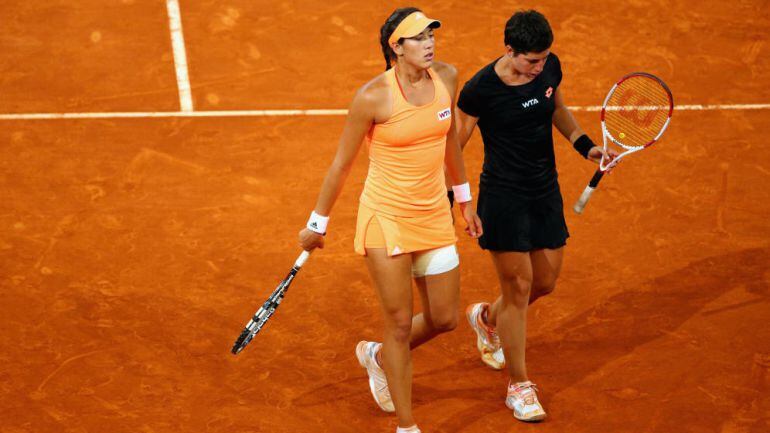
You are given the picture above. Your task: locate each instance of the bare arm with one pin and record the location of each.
(359, 120)
(564, 120)
(453, 158)
(465, 125)
(566, 124)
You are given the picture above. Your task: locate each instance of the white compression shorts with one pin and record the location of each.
(435, 261)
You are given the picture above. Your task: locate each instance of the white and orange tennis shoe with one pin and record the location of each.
(487, 340)
(522, 400)
(366, 352)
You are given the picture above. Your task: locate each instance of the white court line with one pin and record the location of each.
(331, 112)
(693, 107)
(138, 114)
(180, 56)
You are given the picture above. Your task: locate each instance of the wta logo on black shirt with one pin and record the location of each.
(516, 127)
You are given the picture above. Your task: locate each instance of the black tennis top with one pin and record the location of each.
(516, 127)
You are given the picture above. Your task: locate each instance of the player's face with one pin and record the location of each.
(530, 64)
(419, 50)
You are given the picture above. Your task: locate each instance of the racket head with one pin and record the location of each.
(242, 341)
(260, 319)
(636, 111)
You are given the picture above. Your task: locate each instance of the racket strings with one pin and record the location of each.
(637, 111)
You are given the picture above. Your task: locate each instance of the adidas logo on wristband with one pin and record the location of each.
(317, 223)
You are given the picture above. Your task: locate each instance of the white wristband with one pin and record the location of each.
(317, 223)
(462, 192)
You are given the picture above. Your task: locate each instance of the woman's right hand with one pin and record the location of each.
(474, 228)
(310, 240)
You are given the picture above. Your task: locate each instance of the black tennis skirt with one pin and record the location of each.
(515, 223)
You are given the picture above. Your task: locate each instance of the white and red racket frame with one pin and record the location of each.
(607, 137)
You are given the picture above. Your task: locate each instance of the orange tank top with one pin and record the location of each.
(406, 154)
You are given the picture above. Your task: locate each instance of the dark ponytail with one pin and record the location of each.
(389, 27)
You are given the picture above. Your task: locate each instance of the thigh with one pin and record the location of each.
(546, 266)
(392, 277)
(440, 294)
(513, 266)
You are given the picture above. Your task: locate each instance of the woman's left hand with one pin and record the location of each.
(596, 154)
(472, 220)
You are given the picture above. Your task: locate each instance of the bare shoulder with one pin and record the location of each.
(373, 99)
(374, 92)
(447, 71)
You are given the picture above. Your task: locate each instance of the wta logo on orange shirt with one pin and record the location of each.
(444, 114)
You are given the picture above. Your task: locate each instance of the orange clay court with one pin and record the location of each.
(133, 250)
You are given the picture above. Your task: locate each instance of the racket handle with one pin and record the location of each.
(581, 203)
(583, 200)
(301, 259)
(594, 182)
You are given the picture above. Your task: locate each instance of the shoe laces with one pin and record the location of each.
(526, 391)
(379, 374)
(492, 337)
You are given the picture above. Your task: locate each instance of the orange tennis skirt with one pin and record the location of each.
(398, 234)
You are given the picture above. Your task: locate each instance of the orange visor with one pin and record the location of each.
(412, 26)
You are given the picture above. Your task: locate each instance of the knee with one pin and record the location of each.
(399, 325)
(444, 322)
(516, 290)
(541, 289)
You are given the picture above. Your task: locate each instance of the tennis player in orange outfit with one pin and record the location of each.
(404, 226)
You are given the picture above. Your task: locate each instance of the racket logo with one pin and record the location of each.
(549, 92)
(444, 114)
(634, 102)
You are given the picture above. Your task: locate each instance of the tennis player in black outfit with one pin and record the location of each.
(515, 100)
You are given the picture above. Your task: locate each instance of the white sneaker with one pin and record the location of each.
(412, 429)
(487, 340)
(366, 352)
(522, 400)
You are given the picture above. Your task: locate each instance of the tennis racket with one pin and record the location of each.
(268, 308)
(635, 113)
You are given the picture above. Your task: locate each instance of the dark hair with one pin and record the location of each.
(528, 32)
(389, 27)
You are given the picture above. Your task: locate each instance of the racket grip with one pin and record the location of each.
(301, 259)
(581, 203)
(594, 182)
